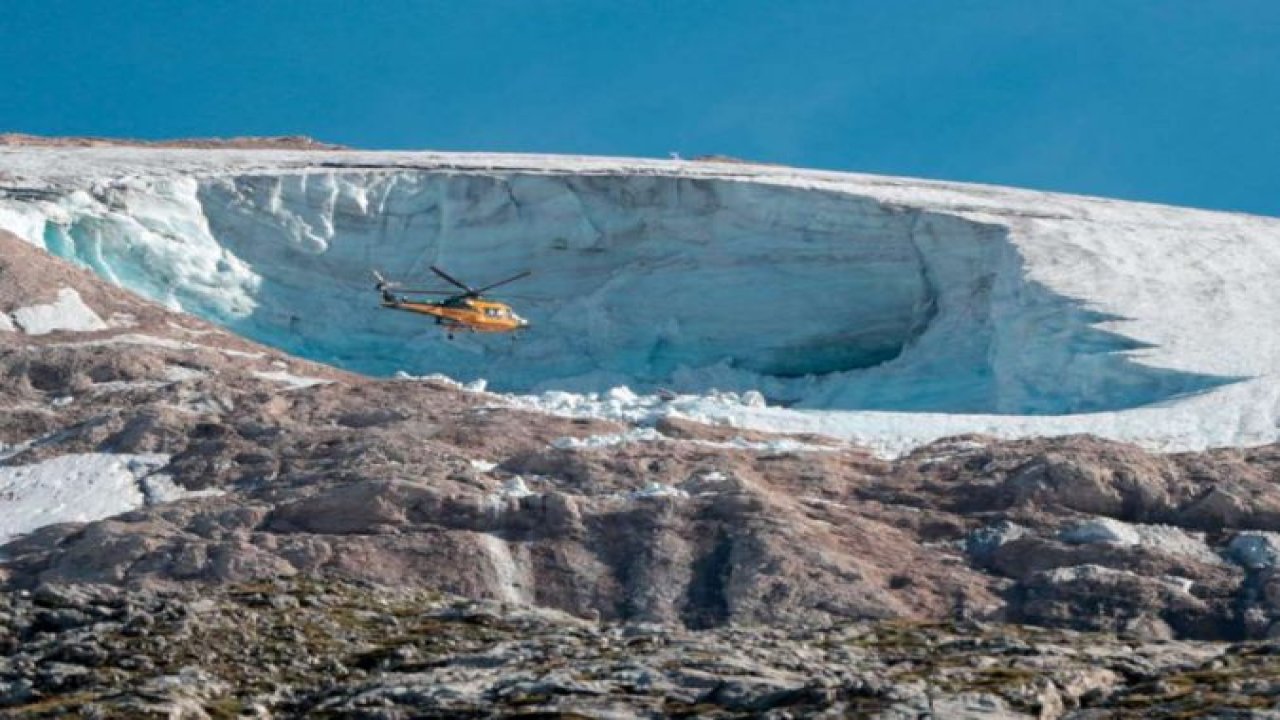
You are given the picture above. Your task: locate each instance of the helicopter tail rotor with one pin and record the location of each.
(384, 287)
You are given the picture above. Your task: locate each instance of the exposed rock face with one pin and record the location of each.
(332, 649)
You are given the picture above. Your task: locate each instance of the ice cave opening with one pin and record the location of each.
(818, 299)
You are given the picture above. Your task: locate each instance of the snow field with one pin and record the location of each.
(68, 312)
(82, 488)
(71, 488)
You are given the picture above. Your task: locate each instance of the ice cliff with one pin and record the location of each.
(942, 307)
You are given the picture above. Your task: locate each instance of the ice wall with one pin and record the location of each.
(817, 298)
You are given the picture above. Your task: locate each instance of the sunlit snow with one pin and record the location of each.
(68, 312)
(82, 488)
(296, 382)
(71, 488)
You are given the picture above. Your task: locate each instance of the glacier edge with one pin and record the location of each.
(958, 307)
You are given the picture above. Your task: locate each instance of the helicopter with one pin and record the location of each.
(467, 310)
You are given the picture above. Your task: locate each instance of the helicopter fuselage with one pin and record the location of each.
(475, 314)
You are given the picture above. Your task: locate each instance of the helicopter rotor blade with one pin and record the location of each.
(454, 281)
(412, 291)
(500, 283)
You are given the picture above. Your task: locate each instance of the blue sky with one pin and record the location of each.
(1173, 101)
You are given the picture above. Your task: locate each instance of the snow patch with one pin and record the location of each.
(657, 489)
(295, 382)
(596, 442)
(160, 488)
(68, 312)
(650, 435)
(135, 339)
(1101, 530)
(124, 385)
(6, 323)
(181, 373)
(515, 487)
(1102, 574)
(72, 488)
(479, 386)
(152, 341)
(948, 450)
(512, 491)
(624, 405)
(984, 541)
(1161, 538)
(189, 331)
(779, 445)
(122, 320)
(172, 374)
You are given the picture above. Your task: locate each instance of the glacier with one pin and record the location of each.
(884, 310)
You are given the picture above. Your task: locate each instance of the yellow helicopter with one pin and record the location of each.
(467, 310)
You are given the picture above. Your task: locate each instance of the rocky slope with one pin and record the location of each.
(358, 491)
(336, 650)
